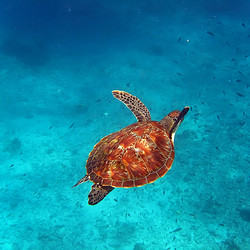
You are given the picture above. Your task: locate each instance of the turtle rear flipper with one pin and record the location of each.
(98, 193)
(84, 179)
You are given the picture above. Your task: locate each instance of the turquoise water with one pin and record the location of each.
(59, 63)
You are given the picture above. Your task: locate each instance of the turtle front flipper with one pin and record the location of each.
(98, 193)
(134, 104)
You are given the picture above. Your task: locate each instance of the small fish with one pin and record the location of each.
(243, 25)
(176, 230)
(239, 94)
(210, 33)
(115, 200)
(238, 80)
(218, 117)
(242, 123)
(11, 165)
(71, 126)
(179, 39)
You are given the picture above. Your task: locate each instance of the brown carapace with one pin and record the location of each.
(134, 156)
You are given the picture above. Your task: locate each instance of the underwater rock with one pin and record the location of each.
(245, 214)
(31, 53)
(14, 146)
(139, 246)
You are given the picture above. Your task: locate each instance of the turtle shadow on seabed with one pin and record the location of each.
(29, 52)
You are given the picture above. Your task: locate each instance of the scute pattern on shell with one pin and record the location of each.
(132, 157)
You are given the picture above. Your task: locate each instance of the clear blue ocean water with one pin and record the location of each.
(59, 62)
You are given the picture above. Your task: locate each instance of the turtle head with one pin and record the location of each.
(172, 121)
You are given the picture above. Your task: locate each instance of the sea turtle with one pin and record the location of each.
(135, 155)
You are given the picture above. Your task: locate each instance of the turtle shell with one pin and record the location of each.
(134, 156)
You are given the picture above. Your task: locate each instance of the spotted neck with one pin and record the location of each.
(172, 121)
